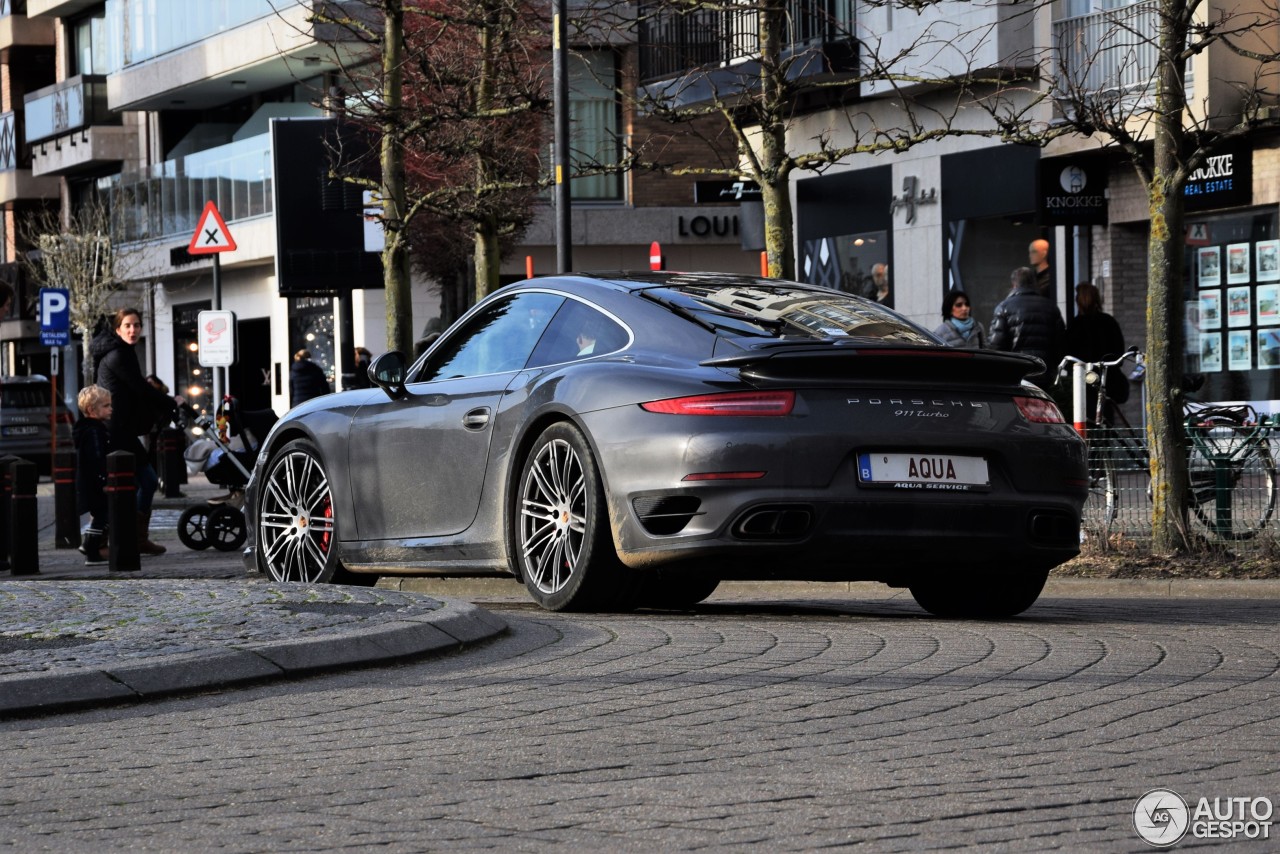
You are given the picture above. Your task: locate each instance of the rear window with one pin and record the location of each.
(787, 312)
(24, 394)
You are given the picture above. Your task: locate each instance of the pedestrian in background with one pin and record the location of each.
(1028, 322)
(1094, 336)
(958, 328)
(136, 407)
(92, 441)
(1038, 255)
(363, 360)
(306, 379)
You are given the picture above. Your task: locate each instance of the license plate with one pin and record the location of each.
(21, 431)
(924, 471)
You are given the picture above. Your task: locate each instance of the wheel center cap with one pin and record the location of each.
(302, 521)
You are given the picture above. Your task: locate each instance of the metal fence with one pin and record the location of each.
(1233, 486)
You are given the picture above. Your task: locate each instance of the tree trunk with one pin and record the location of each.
(86, 368)
(487, 258)
(772, 161)
(1165, 252)
(395, 255)
(778, 220)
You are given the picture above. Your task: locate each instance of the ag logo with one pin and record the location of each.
(1072, 179)
(1161, 817)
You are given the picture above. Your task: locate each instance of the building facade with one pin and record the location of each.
(162, 107)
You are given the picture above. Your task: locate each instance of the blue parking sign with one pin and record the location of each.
(55, 317)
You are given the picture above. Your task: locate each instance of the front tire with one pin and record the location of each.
(562, 538)
(980, 595)
(297, 531)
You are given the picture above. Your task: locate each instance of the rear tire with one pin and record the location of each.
(560, 528)
(676, 591)
(980, 595)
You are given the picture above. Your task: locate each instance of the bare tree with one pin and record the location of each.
(761, 67)
(80, 254)
(1128, 85)
(453, 145)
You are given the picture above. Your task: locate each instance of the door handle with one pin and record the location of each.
(476, 419)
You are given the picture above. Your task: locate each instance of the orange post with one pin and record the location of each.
(528, 266)
(764, 265)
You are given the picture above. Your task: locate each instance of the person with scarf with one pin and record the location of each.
(958, 328)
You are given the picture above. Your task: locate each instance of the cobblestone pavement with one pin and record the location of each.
(778, 725)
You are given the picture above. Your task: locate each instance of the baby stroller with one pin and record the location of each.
(225, 452)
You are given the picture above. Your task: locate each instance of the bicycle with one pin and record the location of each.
(1231, 470)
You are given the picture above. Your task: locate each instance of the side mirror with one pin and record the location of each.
(387, 372)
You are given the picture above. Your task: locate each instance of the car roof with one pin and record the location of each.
(635, 280)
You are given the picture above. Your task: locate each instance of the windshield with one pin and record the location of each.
(782, 311)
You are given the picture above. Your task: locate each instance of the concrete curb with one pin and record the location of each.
(452, 626)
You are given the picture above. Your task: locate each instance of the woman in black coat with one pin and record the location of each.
(137, 406)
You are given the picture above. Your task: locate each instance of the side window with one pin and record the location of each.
(578, 331)
(497, 340)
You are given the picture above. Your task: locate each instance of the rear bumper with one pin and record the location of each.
(878, 539)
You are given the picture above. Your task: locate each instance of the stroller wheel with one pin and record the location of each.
(225, 528)
(192, 527)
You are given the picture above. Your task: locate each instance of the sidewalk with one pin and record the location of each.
(75, 636)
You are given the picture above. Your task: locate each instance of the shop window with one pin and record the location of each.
(1232, 308)
(193, 382)
(853, 263)
(311, 328)
(982, 253)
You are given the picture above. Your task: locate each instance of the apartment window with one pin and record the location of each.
(594, 123)
(88, 52)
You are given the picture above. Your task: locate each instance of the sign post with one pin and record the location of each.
(213, 238)
(55, 332)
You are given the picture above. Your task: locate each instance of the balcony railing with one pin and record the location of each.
(1112, 53)
(76, 103)
(674, 41)
(169, 197)
(9, 127)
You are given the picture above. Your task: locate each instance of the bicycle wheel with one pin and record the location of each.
(1101, 505)
(1249, 500)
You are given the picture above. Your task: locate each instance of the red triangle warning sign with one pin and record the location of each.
(211, 233)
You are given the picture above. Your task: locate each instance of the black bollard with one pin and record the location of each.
(66, 521)
(172, 465)
(122, 513)
(24, 523)
(6, 490)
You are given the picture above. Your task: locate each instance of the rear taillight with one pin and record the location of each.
(1039, 411)
(728, 403)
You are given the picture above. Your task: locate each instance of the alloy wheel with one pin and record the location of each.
(295, 523)
(553, 516)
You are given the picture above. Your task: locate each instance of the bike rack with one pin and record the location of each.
(1221, 454)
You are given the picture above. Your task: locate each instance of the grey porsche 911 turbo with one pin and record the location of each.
(632, 439)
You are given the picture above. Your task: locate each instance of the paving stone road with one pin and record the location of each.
(783, 725)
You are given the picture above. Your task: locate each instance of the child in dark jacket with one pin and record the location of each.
(93, 443)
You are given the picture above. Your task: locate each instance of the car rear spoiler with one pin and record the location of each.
(846, 360)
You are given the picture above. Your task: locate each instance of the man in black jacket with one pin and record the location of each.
(306, 379)
(1028, 322)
